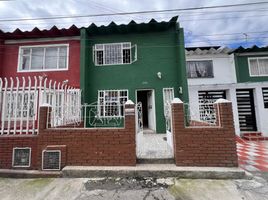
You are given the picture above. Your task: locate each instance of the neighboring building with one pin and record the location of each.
(142, 62)
(53, 53)
(214, 72)
(252, 71)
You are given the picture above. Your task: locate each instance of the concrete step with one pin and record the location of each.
(252, 134)
(255, 138)
(15, 173)
(153, 170)
(156, 161)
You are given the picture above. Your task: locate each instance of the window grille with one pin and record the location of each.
(43, 58)
(265, 97)
(207, 99)
(111, 102)
(51, 160)
(168, 96)
(200, 69)
(21, 157)
(114, 53)
(258, 66)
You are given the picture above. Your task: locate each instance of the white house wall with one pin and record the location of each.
(223, 69)
(225, 79)
(260, 111)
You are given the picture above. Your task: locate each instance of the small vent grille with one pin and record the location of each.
(51, 160)
(21, 157)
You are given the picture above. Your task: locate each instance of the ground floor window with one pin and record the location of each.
(111, 102)
(206, 104)
(168, 96)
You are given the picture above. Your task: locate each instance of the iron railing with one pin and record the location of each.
(20, 99)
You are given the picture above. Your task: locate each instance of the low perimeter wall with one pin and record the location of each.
(193, 146)
(90, 146)
(213, 146)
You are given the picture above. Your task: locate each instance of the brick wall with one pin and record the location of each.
(80, 146)
(205, 146)
(92, 146)
(7, 143)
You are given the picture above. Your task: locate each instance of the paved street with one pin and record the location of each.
(253, 155)
(134, 189)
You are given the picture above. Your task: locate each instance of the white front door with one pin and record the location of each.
(151, 110)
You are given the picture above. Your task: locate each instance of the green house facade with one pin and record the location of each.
(251, 64)
(139, 62)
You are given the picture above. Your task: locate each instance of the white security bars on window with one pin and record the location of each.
(111, 102)
(204, 116)
(114, 53)
(20, 99)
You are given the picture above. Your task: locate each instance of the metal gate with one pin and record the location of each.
(246, 110)
(139, 121)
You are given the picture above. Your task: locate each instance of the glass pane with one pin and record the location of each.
(200, 69)
(63, 57)
(253, 67)
(25, 59)
(113, 54)
(126, 55)
(263, 66)
(37, 58)
(51, 58)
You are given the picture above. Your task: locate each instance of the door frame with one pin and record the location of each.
(153, 104)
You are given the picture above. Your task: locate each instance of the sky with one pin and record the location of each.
(232, 27)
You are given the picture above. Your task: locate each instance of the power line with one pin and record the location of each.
(135, 13)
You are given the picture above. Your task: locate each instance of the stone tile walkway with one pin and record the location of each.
(252, 155)
(153, 146)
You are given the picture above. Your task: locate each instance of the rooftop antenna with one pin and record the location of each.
(246, 37)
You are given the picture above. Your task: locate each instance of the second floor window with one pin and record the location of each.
(114, 53)
(43, 58)
(258, 66)
(200, 69)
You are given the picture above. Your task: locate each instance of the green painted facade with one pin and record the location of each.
(160, 48)
(241, 56)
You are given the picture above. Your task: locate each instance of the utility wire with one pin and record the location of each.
(135, 12)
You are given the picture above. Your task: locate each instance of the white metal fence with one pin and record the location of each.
(20, 99)
(91, 116)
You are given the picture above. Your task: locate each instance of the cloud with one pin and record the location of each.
(202, 27)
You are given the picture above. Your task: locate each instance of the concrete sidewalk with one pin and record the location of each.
(153, 170)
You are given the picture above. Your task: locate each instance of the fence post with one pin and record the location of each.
(130, 116)
(44, 117)
(224, 113)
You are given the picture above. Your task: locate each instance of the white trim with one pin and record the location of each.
(52, 152)
(20, 41)
(43, 46)
(13, 156)
(256, 58)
